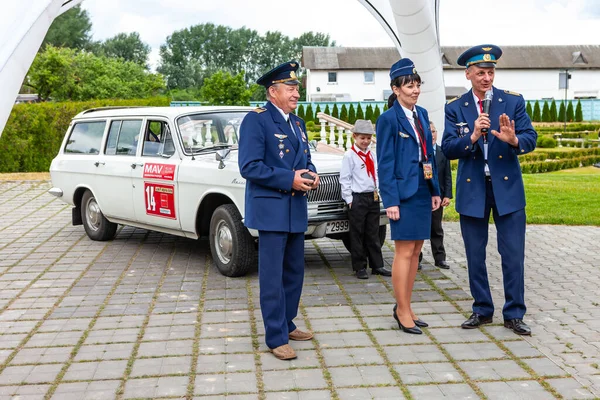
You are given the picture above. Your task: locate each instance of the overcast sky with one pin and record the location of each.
(462, 22)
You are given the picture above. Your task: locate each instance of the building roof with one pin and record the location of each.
(513, 57)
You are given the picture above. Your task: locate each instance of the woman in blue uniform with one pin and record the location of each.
(408, 184)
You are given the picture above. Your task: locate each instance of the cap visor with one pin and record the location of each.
(294, 82)
(484, 65)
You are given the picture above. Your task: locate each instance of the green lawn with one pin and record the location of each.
(567, 197)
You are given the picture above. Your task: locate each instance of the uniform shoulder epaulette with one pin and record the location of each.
(451, 100)
(513, 93)
(259, 110)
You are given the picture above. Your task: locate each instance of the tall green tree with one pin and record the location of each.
(335, 113)
(537, 114)
(327, 110)
(546, 113)
(300, 111)
(71, 29)
(351, 114)
(127, 46)
(344, 113)
(529, 110)
(359, 112)
(570, 113)
(578, 112)
(317, 111)
(561, 111)
(553, 112)
(222, 88)
(67, 74)
(309, 115)
(376, 114)
(369, 113)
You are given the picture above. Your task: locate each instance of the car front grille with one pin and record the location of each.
(328, 191)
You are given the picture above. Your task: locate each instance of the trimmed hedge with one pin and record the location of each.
(34, 132)
(558, 155)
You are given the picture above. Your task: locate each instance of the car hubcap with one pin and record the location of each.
(93, 214)
(224, 242)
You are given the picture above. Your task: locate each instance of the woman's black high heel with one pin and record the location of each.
(420, 323)
(415, 330)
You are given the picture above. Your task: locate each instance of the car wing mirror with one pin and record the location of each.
(221, 155)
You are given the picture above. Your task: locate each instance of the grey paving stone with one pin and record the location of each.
(522, 348)
(29, 374)
(161, 366)
(225, 383)
(337, 325)
(514, 390)
(104, 352)
(569, 388)
(226, 345)
(225, 330)
(306, 359)
(95, 370)
(447, 391)
(29, 392)
(218, 363)
(397, 337)
(156, 387)
(351, 356)
(303, 379)
(375, 393)
(100, 390)
(361, 375)
(165, 348)
(428, 373)
(493, 370)
(344, 339)
(416, 353)
(303, 395)
(474, 351)
(545, 367)
(454, 335)
(42, 355)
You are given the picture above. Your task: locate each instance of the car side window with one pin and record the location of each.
(123, 137)
(158, 141)
(85, 138)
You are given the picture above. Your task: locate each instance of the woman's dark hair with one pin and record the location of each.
(391, 100)
(400, 81)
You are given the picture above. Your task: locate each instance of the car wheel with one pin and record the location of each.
(96, 225)
(231, 244)
(382, 233)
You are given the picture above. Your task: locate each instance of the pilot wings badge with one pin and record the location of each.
(462, 129)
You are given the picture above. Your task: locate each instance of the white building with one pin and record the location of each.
(344, 74)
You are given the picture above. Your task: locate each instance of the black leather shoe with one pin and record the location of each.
(476, 320)
(362, 274)
(415, 330)
(518, 326)
(420, 323)
(381, 271)
(442, 264)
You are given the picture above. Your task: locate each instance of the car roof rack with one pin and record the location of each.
(110, 108)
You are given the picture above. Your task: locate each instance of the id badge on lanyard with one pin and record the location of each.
(427, 170)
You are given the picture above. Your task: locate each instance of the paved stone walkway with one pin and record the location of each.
(147, 316)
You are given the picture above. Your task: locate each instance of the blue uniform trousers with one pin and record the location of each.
(510, 230)
(280, 275)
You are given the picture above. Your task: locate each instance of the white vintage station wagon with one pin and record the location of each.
(175, 170)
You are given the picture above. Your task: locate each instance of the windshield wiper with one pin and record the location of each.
(211, 148)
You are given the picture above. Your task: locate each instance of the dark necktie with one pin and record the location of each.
(420, 133)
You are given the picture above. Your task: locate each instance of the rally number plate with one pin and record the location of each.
(338, 226)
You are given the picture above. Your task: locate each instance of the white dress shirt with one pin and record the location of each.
(409, 116)
(486, 169)
(354, 177)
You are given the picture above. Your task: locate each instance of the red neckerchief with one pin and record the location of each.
(421, 133)
(367, 158)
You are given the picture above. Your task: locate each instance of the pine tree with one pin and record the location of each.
(578, 112)
(351, 114)
(359, 112)
(327, 110)
(529, 110)
(300, 112)
(309, 115)
(537, 115)
(344, 113)
(376, 114)
(553, 112)
(570, 113)
(317, 111)
(561, 112)
(546, 113)
(369, 113)
(335, 113)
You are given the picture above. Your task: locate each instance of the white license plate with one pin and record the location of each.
(338, 226)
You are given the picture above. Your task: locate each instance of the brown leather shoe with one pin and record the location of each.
(299, 335)
(284, 352)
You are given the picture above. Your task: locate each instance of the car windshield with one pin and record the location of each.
(210, 131)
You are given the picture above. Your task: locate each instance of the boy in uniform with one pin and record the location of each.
(358, 179)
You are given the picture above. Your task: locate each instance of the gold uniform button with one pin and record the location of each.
(506, 178)
(500, 157)
(466, 147)
(305, 151)
(522, 150)
(287, 150)
(293, 193)
(468, 179)
(304, 194)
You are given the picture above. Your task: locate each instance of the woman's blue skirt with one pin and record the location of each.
(415, 215)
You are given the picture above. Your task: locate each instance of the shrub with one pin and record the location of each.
(309, 115)
(352, 114)
(344, 113)
(546, 113)
(335, 113)
(300, 112)
(546, 142)
(310, 126)
(553, 112)
(529, 111)
(537, 115)
(578, 112)
(570, 113)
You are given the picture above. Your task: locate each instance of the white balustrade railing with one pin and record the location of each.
(344, 132)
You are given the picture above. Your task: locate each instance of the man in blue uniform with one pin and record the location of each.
(274, 158)
(487, 140)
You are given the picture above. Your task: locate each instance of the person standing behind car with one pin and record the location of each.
(273, 155)
(358, 179)
(408, 184)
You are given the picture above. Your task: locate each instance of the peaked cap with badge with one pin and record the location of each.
(483, 55)
(284, 73)
(402, 67)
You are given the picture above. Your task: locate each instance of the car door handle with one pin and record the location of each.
(97, 163)
(136, 165)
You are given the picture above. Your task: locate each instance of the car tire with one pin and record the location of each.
(232, 247)
(96, 225)
(382, 233)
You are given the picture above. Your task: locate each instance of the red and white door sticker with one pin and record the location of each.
(160, 200)
(159, 171)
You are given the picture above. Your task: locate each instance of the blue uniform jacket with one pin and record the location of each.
(398, 156)
(269, 153)
(503, 161)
